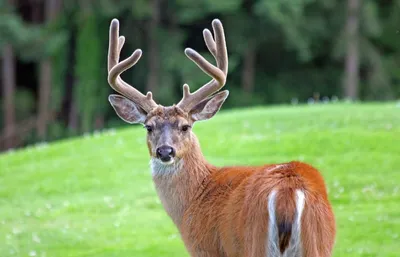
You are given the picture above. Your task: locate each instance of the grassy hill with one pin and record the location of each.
(93, 196)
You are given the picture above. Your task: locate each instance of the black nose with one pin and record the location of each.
(165, 153)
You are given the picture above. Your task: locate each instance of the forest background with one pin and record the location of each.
(53, 56)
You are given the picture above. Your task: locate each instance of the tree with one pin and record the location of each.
(88, 68)
(154, 54)
(68, 109)
(8, 81)
(9, 86)
(249, 55)
(52, 8)
(352, 62)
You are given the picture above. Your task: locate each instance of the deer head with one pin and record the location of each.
(169, 134)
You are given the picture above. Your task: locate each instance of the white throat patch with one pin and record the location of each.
(158, 168)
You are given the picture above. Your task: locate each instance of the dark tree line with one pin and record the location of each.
(53, 56)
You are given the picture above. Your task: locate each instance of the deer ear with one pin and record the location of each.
(127, 110)
(209, 107)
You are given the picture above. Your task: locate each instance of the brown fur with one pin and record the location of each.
(224, 212)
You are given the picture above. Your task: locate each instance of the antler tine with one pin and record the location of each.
(116, 68)
(219, 51)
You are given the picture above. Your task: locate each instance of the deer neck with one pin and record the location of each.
(177, 184)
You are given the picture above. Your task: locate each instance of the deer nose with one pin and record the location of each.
(165, 153)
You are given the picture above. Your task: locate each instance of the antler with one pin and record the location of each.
(115, 68)
(219, 73)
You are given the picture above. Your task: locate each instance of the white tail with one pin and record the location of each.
(294, 249)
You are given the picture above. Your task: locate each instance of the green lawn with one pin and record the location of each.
(93, 196)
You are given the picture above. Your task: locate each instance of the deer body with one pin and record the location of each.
(276, 210)
(225, 211)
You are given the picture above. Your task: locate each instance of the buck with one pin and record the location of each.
(272, 210)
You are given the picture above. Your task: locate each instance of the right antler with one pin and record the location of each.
(115, 68)
(219, 73)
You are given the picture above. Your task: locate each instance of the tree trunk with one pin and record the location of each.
(68, 113)
(99, 122)
(44, 98)
(36, 15)
(45, 77)
(248, 71)
(73, 118)
(8, 81)
(154, 68)
(352, 57)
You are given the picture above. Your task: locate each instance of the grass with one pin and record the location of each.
(93, 196)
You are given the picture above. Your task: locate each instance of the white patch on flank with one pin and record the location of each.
(272, 241)
(295, 248)
(300, 205)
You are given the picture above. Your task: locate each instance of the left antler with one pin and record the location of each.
(219, 73)
(115, 68)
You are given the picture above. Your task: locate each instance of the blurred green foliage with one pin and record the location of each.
(298, 48)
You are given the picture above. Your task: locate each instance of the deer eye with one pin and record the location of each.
(149, 128)
(185, 128)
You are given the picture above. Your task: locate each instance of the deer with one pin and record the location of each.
(270, 210)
